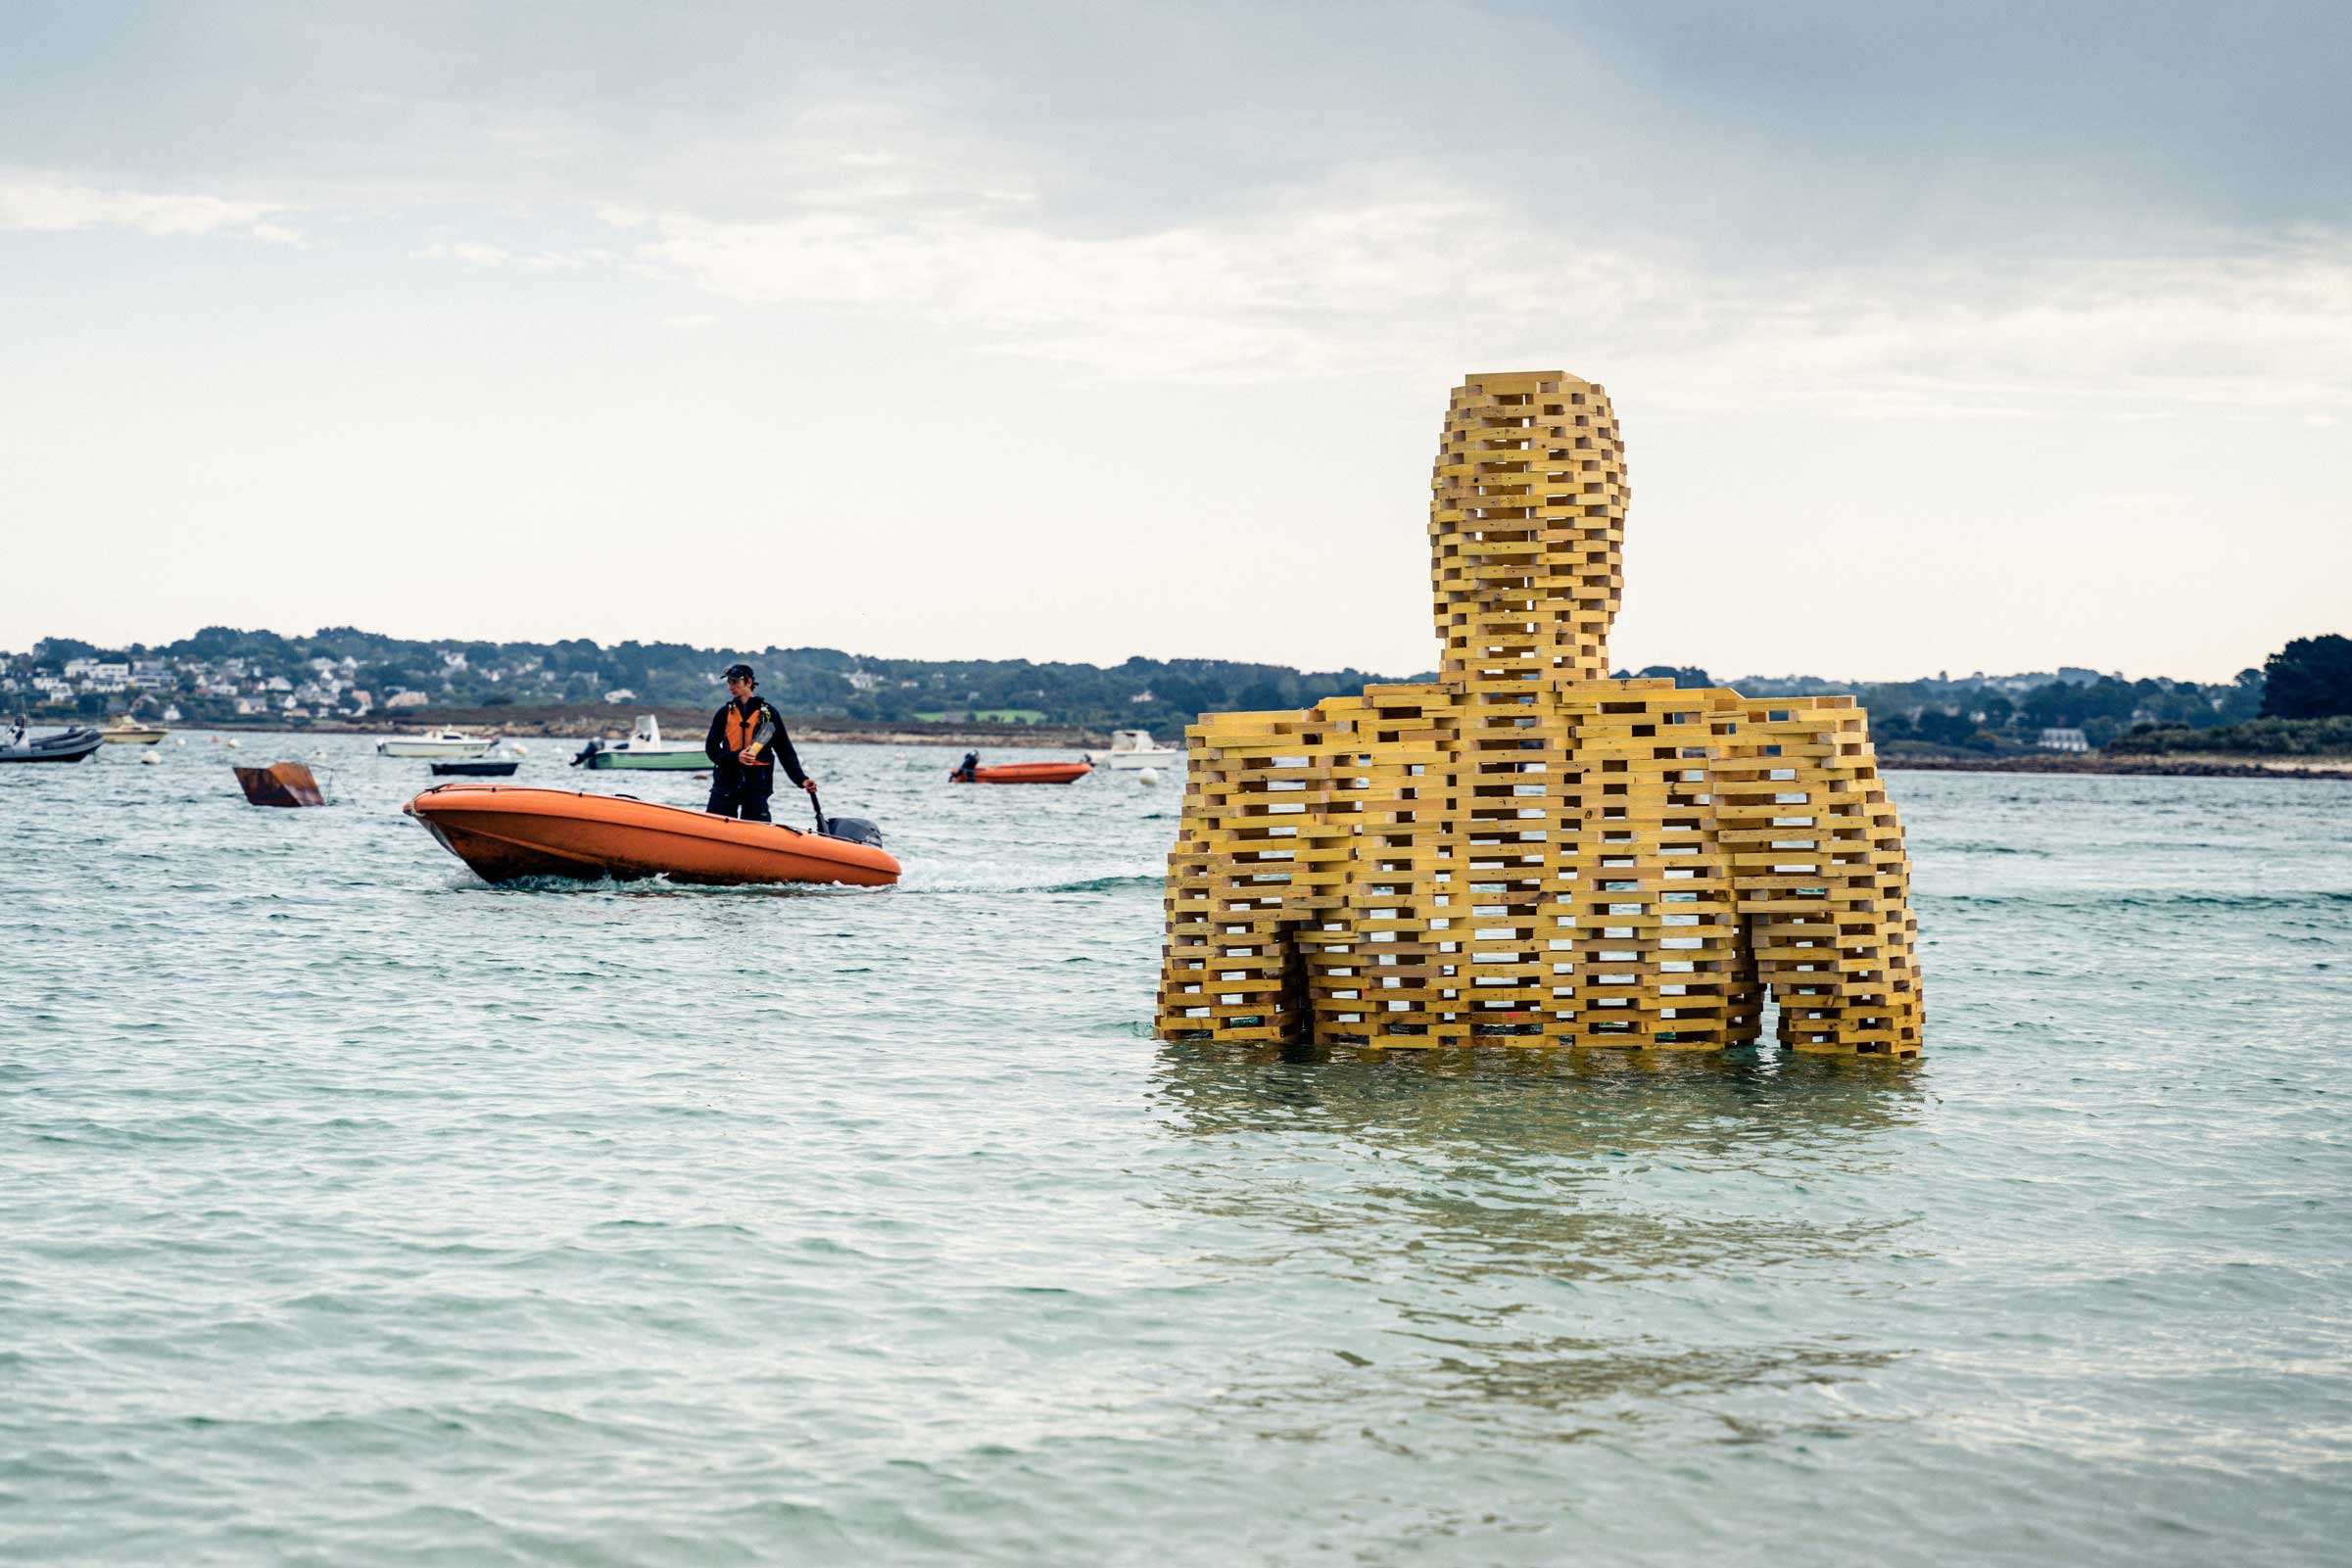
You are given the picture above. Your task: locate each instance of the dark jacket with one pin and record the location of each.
(714, 744)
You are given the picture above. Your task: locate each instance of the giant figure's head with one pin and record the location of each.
(1526, 529)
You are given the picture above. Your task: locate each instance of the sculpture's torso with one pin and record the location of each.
(1527, 850)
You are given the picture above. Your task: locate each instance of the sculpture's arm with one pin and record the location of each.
(1257, 854)
(1820, 876)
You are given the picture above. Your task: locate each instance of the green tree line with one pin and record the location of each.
(2311, 678)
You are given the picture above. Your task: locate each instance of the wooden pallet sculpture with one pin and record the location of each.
(1526, 851)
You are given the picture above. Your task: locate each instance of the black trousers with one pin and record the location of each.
(741, 792)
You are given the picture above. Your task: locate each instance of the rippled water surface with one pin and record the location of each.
(352, 1212)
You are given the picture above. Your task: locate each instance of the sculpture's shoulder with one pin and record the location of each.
(1339, 723)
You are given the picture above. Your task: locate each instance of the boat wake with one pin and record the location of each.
(1152, 880)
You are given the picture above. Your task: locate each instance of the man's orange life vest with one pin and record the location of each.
(740, 730)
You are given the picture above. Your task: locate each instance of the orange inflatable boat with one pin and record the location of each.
(504, 832)
(1024, 773)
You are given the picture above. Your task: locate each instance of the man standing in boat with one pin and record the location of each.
(746, 737)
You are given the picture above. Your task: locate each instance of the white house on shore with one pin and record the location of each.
(2064, 741)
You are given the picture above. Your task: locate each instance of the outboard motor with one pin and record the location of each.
(587, 752)
(852, 829)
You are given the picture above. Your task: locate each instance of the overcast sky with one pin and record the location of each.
(1943, 336)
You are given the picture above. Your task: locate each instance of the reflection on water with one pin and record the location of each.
(1536, 1101)
(1546, 1243)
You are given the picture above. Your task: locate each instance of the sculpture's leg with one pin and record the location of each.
(1817, 857)
(1743, 985)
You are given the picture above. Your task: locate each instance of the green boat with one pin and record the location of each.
(645, 748)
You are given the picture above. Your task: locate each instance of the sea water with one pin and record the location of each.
(354, 1211)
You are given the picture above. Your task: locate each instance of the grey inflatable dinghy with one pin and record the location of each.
(66, 745)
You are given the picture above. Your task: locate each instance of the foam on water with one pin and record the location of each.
(354, 1211)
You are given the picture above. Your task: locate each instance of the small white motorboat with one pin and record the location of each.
(1135, 748)
(645, 748)
(436, 743)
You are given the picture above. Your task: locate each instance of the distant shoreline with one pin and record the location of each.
(677, 724)
(2177, 766)
(578, 724)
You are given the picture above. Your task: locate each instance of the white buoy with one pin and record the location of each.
(518, 748)
(232, 746)
(1147, 775)
(180, 739)
(150, 760)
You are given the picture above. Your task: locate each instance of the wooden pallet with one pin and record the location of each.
(1526, 851)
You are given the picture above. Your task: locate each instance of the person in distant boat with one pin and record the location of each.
(968, 768)
(18, 739)
(747, 737)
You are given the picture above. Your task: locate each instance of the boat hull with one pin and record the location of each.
(504, 832)
(433, 748)
(281, 784)
(1126, 760)
(692, 761)
(1034, 772)
(132, 737)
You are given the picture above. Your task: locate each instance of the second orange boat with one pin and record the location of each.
(1024, 773)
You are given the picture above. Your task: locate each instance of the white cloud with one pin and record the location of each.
(1187, 301)
(1328, 284)
(466, 251)
(475, 254)
(44, 205)
(1381, 270)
